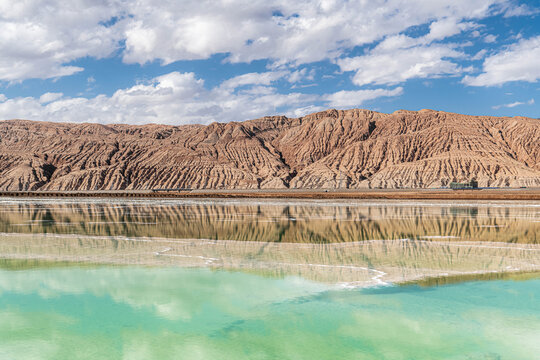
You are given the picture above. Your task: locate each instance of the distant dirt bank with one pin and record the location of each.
(391, 194)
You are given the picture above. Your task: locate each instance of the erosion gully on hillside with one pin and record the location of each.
(330, 149)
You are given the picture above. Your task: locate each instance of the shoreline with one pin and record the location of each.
(532, 194)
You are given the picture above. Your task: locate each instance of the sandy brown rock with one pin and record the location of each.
(331, 149)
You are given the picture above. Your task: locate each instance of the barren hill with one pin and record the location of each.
(330, 149)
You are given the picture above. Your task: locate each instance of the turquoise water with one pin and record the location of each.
(177, 279)
(175, 313)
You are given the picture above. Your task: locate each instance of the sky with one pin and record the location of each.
(199, 61)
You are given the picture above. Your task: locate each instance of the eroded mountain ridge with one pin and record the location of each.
(330, 149)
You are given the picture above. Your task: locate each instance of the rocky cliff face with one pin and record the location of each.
(331, 149)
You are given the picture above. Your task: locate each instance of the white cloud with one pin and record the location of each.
(490, 38)
(40, 38)
(300, 75)
(514, 104)
(48, 97)
(399, 58)
(253, 79)
(443, 28)
(182, 98)
(307, 31)
(518, 62)
(519, 10)
(44, 38)
(302, 111)
(348, 99)
(479, 55)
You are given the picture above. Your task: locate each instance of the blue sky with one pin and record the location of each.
(180, 62)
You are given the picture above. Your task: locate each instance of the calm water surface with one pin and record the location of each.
(95, 279)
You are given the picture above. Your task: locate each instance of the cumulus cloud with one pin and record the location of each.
(301, 75)
(479, 55)
(253, 79)
(182, 98)
(514, 104)
(48, 97)
(519, 10)
(348, 99)
(518, 62)
(447, 27)
(490, 38)
(45, 38)
(284, 31)
(40, 38)
(399, 58)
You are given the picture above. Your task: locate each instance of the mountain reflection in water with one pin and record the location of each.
(353, 243)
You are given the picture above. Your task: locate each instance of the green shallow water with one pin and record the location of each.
(177, 313)
(222, 279)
